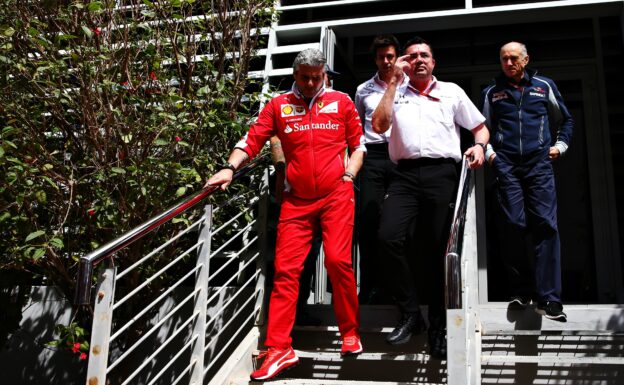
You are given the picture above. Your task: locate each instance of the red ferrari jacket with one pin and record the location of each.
(314, 138)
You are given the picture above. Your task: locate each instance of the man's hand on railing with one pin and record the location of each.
(476, 156)
(223, 178)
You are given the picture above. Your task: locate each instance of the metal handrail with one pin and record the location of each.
(452, 260)
(87, 262)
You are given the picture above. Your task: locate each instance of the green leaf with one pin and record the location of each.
(180, 191)
(41, 196)
(62, 37)
(118, 170)
(8, 32)
(95, 6)
(34, 235)
(50, 182)
(5, 215)
(56, 242)
(38, 254)
(161, 142)
(87, 31)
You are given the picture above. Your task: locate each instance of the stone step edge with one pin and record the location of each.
(326, 355)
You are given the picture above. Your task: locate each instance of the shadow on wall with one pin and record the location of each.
(29, 315)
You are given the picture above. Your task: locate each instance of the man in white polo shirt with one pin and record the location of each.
(426, 115)
(377, 169)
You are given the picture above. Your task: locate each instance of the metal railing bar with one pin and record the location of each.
(186, 370)
(231, 319)
(160, 348)
(231, 300)
(151, 305)
(159, 248)
(156, 275)
(214, 359)
(173, 359)
(152, 330)
(233, 258)
(234, 237)
(231, 278)
(452, 258)
(87, 262)
(231, 200)
(235, 217)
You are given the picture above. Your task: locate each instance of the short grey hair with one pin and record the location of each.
(310, 57)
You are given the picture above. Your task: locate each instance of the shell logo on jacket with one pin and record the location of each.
(314, 138)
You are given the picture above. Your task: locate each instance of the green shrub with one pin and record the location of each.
(108, 117)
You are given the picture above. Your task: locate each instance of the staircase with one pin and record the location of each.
(320, 362)
(487, 343)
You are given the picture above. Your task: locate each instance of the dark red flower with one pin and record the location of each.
(90, 212)
(152, 75)
(97, 31)
(177, 139)
(76, 347)
(83, 356)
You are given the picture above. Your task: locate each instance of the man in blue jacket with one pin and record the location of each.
(523, 111)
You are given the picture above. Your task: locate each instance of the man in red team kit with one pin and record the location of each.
(315, 126)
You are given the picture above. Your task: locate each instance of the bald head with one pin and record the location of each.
(513, 58)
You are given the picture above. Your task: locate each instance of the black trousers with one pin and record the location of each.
(422, 190)
(375, 178)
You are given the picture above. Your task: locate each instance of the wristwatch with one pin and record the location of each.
(483, 146)
(228, 166)
(349, 175)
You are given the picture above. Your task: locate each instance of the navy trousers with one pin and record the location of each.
(528, 200)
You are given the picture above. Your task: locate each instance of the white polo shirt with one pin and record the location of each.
(427, 125)
(367, 97)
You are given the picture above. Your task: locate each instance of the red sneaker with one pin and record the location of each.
(351, 345)
(276, 361)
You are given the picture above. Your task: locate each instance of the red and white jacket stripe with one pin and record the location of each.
(314, 138)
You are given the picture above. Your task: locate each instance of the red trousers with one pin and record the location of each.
(299, 219)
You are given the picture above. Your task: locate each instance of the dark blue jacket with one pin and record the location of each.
(521, 117)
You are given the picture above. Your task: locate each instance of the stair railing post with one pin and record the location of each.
(463, 325)
(263, 244)
(102, 323)
(201, 299)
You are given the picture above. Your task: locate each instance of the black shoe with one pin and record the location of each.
(551, 310)
(519, 302)
(303, 318)
(411, 323)
(437, 342)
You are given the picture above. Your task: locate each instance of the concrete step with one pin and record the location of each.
(497, 319)
(326, 339)
(299, 381)
(320, 362)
